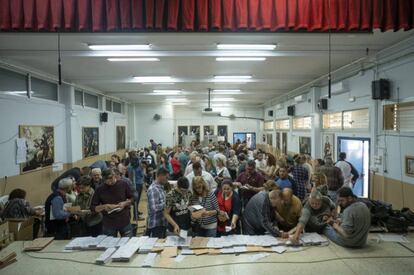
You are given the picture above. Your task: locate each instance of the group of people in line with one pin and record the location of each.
(214, 191)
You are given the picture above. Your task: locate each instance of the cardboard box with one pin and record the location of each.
(22, 229)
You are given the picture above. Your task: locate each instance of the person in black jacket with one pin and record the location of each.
(229, 203)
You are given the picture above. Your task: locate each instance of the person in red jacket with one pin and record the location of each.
(176, 167)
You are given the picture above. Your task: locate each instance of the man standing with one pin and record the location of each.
(301, 177)
(113, 198)
(349, 172)
(198, 171)
(250, 182)
(96, 175)
(156, 223)
(352, 230)
(153, 145)
(334, 177)
(260, 215)
(286, 181)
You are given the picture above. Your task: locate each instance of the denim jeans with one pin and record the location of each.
(206, 232)
(332, 235)
(157, 232)
(124, 232)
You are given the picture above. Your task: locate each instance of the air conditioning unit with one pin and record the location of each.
(279, 106)
(339, 88)
(300, 98)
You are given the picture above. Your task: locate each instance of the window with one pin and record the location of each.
(283, 124)
(356, 119)
(78, 97)
(302, 123)
(117, 107)
(332, 121)
(109, 105)
(399, 117)
(12, 83)
(44, 89)
(91, 100)
(269, 125)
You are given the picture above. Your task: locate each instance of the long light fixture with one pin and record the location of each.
(167, 92)
(223, 99)
(154, 79)
(176, 99)
(240, 58)
(246, 46)
(226, 90)
(137, 59)
(220, 105)
(138, 47)
(232, 78)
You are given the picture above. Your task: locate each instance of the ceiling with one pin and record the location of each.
(190, 59)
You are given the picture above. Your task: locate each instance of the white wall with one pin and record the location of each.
(164, 130)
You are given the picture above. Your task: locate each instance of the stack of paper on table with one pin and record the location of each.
(108, 242)
(78, 243)
(122, 241)
(106, 256)
(147, 245)
(126, 251)
(199, 242)
(312, 239)
(187, 251)
(177, 241)
(94, 243)
(38, 244)
(149, 260)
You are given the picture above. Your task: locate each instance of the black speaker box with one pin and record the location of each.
(323, 104)
(104, 117)
(270, 113)
(291, 110)
(381, 89)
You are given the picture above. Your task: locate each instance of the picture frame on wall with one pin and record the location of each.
(208, 130)
(328, 146)
(284, 143)
(409, 166)
(181, 132)
(40, 144)
(222, 131)
(305, 145)
(195, 131)
(278, 142)
(90, 141)
(120, 137)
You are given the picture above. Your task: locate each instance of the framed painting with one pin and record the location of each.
(222, 131)
(328, 146)
(120, 137)
(305, 145)
(409, 166)
(182, 131)
(90, 141)
(40, 143)
(195, 131)
(208, 130)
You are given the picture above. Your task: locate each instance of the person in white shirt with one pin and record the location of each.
(222, 171)
(198, 171)
(260, 162)
(346, 169)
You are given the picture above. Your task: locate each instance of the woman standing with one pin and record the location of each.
(209, 166)
(229, 203)
(205, 220)
(233, 164)
(164, 163)
(176, 167)
(269, 171)
(222, 171)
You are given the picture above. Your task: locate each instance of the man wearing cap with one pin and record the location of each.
(352, 230)
(113, 198)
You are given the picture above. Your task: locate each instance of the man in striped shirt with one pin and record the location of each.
(157, 224)
(301, 177)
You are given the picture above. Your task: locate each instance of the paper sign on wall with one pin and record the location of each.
(58, 166)
(21, 153)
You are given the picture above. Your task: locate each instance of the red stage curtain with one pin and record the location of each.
(205, 15)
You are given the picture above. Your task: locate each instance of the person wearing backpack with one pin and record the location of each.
(349, 172)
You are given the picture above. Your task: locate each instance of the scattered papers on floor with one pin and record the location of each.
(279, 249)
(258, 256)
(393, 238)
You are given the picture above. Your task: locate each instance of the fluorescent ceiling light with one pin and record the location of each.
(217, 99)
(220, 105)
(120, 47)
(154, 79)
(240, 58)
(226, 90)
(232, 76)
(167, 92)
(142, 59)
(246, 46)
(177, 99)
(179, 103)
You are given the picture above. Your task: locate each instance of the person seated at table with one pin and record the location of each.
(288, 208)
(176, 211)
(18, 208)
(260, 215)
(56, 216)
(205, 220)
(315, 214)
(353, 227)
(91, 222)
(230, 204)
(113, 195)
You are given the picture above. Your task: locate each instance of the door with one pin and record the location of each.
(357, 153)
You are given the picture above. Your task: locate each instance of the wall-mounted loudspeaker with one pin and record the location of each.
(104, 117)
(381, 89)
(157, 117)
(323, 104)
(270, 113)
(291, 110)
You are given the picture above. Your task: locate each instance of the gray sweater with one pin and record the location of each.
(356, 221)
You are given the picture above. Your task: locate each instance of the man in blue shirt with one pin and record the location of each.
(156, 223)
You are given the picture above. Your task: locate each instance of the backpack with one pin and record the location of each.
(396, 222)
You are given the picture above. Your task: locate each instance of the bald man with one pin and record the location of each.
(260, 215)
(288, 209)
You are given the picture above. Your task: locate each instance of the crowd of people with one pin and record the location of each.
(213, 191)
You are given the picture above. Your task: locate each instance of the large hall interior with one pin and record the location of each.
(182, 136)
